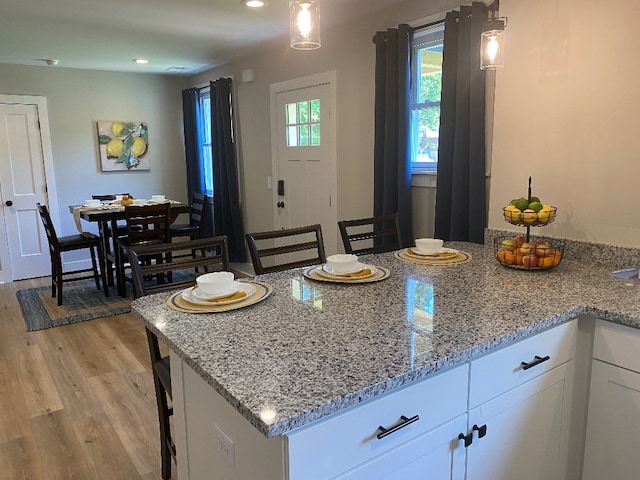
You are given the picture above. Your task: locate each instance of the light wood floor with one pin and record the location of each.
(77, 401)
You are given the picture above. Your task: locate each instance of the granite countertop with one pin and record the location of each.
(313, 348)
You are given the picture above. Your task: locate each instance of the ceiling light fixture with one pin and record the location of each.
(304, 21)
(492, 41)
(51, 61)
(253, 3)
(140, 61)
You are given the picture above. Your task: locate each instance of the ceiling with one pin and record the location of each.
(180, 37)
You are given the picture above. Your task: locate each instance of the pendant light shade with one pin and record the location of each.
(304, 18)
(492, 44)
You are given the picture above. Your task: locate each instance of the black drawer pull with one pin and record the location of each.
(404, 421)
(468, 439)
(482, 431)
(538, 360)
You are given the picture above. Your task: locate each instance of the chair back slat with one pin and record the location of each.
(381, 234)
(147, 223)
(170, 269)
(297, 241)
(49, 229)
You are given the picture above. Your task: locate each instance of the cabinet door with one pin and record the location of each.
(437, 454)
(526, 431)
(611, 448)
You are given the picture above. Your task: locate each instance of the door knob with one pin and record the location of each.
(8, 203)
(280, 204)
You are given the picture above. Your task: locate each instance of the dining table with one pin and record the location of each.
(107, 215)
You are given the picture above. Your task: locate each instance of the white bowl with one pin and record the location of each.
(158, 198)
(429, 246)
(118, 198)
(215, 283)
(92, 203)
(139, 201)
(342, 262)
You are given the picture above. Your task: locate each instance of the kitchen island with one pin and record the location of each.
(312, 350)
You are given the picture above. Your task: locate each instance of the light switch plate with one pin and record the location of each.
(224, 445)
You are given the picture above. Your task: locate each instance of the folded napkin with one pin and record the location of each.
(236, 296)
(362, 273)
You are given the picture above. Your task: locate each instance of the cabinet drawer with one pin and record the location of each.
(617, 344)
(349, 438)
(502, 370)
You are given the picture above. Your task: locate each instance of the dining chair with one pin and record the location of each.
(370, 235)
(59, 245)
(286, 248)
(146, 225)
(195, 228)
(214, 255)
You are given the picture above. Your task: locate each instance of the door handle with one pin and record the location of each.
(8, 203)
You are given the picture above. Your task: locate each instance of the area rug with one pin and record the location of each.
(81, 302)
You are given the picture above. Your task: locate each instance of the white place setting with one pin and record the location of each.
(345, 268)
(218, 292)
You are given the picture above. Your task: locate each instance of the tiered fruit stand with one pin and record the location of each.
(524, 252)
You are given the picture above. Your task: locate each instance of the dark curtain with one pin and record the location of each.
(192, 141)
(461, 193)
(227, 217)
(392, 169)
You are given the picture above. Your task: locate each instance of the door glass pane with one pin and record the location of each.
(304, 135)
(292, 136)
(315, 135)
(291, 113)
(315, 110)
(303, 110)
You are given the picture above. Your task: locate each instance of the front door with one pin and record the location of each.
(304, 163)
(24, 251)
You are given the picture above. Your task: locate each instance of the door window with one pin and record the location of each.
(303, 123)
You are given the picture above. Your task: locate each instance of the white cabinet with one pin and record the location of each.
(525, 431)
(611, 447)
(424, 415)
(520, 409)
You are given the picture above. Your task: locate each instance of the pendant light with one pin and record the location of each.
(492, 42)
(304, 21)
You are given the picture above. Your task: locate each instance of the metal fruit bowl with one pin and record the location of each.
(529, 219)
(518, 253)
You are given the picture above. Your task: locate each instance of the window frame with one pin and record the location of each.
(434, 34)
(204, 126)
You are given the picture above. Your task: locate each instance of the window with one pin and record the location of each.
(204, 120)
(303, 123)
(426, 82)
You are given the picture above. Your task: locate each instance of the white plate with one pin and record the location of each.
(452, 251)
(358, 268)
(200, 294)
(247, 288)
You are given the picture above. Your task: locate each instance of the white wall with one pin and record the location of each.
(76, 100)
(567, 113)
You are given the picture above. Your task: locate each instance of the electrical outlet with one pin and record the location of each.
(269, 183)
(224, 445)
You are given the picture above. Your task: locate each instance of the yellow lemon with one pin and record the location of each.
(118, 128)
(529, 216)
(139, 147)
(115, 148)
(512, 214)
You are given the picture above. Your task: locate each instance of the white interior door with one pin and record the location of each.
(24, 249)
(304, 159)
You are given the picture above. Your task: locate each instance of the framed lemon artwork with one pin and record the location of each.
(123, 145)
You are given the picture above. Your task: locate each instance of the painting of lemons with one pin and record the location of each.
(123, 146)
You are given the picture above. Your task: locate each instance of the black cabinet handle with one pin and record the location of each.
(482, 431)
(468, 439)
(404, 421)
(537, 361)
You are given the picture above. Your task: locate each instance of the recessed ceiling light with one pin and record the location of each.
(253, 3)
(140, 60)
